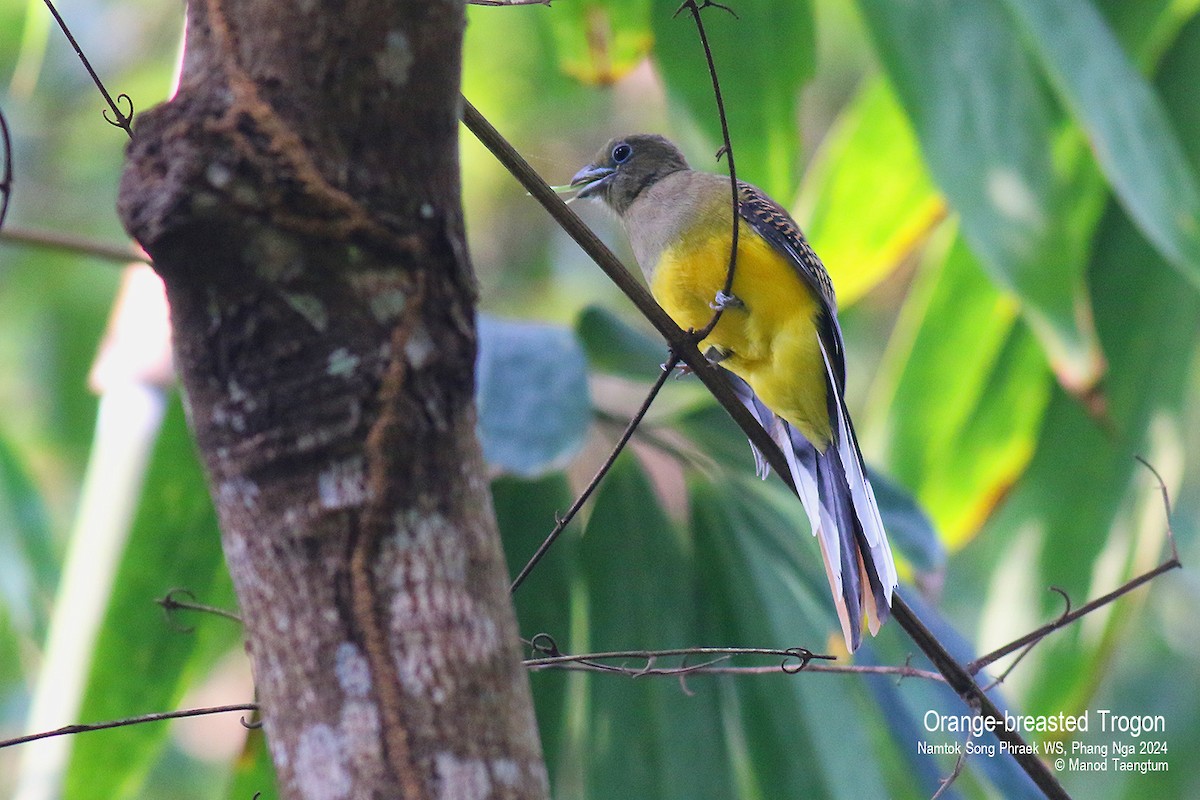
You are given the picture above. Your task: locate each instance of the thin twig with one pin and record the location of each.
(120, 723)
(55, 240)
(123, 120)
(6, 182)
(727, 151)
(509, 2)
(1003, 676)
(681, 344)
(561, 525)
(959, 763)
(169, 603)
(1066, 619)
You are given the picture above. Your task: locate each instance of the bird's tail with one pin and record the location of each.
(841, 508)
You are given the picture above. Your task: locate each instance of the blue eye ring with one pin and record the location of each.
(621, 153)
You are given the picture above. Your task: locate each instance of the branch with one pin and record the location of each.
(120, 723)
(170, 604)
(588, 662)
(681, 344)
(124, 119)
(55, 240)
(1032, 638)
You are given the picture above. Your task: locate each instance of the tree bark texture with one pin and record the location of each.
(300, 198)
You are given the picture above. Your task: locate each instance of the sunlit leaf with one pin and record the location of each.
(763, 57)
(600, 41)
(867, 200)
(964, 389)
(989, 140)
(531, 383)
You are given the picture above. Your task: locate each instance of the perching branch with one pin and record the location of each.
(682, 344)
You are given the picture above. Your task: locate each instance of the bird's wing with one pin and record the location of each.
(772, 222)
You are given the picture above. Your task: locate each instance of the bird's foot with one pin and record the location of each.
(725, 301)
(715, 355)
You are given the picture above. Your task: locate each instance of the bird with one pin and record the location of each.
(778, 341)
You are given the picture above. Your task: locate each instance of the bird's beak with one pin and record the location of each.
(590, 179)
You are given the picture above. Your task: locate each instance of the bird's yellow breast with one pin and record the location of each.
(771, 340)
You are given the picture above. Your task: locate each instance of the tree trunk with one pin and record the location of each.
(300, 198)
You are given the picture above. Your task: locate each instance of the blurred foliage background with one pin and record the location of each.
(1006, 194)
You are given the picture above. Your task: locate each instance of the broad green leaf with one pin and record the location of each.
(988, 131)
(600, 41)
(531, 384)
(763, 585)
(867, 200)
(144, 662)
(526, 512)
(639, 585)
(763, 57)
(1147, 28)
(615, 347)
(962, 390)
(253, 773)
(1085, 514)
(28, 568)
(1129, 131)
(35, 35)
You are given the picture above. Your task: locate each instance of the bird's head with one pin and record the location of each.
(627, 166)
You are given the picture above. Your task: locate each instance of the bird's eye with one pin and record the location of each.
(621, 153)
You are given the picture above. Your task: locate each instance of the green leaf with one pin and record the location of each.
(1129, 131)
(142, 661)
(526, 511)
(532, 392)
(867, 198)
(763, 57)
(253, 775)
(763, 586)
(988, 131)
(28, 567)
(600, 41)
(639, 582)
(1086, 515)
(615, 347)
(961, 395)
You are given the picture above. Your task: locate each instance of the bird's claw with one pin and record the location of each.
(715, 355)
(725, 301)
